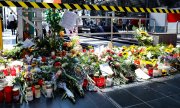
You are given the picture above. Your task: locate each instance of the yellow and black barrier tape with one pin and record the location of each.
(86, 7)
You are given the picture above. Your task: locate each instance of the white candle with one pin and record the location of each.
(49, 91)
(37, 91)
(29, 94)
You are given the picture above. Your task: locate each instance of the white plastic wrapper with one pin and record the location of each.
(63, 86)
(141, 75)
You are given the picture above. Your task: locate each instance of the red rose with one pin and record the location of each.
(40, 82)
(54, 57)
(112, 53)
(108, 51)
(84, 50)
(63, 53)
(110, 58)
(120, 54)
(57, 64)
(43, 59)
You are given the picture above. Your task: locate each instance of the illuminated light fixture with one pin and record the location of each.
(52, 1)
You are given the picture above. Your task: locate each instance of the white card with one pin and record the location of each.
(106, 69)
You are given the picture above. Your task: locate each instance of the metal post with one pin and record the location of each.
(111, 29)
(1, 40)
(154, 29)
(39, 24)
(177, 25)
(19, 24)
(139, 23)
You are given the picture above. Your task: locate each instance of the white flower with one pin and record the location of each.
(149, 55)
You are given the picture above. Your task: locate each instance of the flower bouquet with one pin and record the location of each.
(143, 37)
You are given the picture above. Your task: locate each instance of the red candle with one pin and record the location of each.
(16, 95)
(1, 95)
(100, 81)
(85, 83)
(33, 89)
(150, 72)
(8, 94)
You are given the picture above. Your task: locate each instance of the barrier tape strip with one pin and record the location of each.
(86, 7)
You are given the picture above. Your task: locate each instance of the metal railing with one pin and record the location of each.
(112, 18)
(177, 27)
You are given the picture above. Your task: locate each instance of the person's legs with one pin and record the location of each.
(12, 30)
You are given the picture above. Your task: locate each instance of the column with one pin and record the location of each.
(20, 24)
(39, 23)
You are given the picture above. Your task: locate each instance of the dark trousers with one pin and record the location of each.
(12, 26)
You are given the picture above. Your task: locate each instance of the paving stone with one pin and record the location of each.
(123, 98)
(140, 106)
(144, 93)
(176, 97)
(164, 88)
(164, 103)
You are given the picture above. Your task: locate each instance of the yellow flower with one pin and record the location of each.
(167, 50)
(69, 44)
(154, 62)
(144, 33)
(170, 46)
(148, 63)
(61, 34)
(125, 54)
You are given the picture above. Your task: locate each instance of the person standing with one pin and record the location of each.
(124, 23)
(12, 23)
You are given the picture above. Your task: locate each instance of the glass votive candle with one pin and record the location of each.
(49, 91)
(8, 94)
(16, 94)
(29, 94)
(37, 91)
(1, 94)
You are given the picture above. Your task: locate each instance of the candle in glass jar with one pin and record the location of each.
(8, 94)
(49, 91)
(1, 95)
(16, 95)
(29, 94)
(37, 91)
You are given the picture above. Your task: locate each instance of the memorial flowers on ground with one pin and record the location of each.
(50, 65)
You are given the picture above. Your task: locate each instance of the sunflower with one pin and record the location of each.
(125, 54)
(168, 50)
(143, 33)
(170, 46)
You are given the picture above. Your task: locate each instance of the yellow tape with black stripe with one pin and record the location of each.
(86, 7)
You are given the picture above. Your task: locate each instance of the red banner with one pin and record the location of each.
(173, 17)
